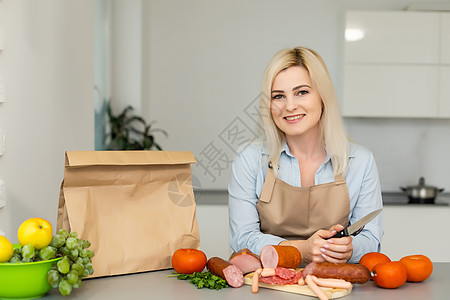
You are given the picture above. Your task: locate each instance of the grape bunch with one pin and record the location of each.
(75, 263)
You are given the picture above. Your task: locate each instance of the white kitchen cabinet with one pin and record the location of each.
(445, 38)
(399, 68)
(444, 92)
(396, 37)
(416, 229)
(391, 91)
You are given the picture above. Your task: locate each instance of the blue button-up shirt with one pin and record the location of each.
(247, 178)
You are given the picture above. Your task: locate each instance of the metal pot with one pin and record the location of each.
(422, 193)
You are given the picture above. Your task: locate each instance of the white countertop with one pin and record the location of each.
(155, 285)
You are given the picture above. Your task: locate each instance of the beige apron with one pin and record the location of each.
(298, 212)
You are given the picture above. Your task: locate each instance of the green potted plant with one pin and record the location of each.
(130, 132)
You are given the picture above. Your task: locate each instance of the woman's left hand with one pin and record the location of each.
(338, 250)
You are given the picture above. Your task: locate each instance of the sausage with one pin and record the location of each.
(315, 288)
(353, 273)
(225, 270)
(331, 282)
(246, 261)
(273, 256)
(268, 272)
(255, 281)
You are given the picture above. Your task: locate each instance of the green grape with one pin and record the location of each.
(74, 254)
(78, 267)
(28, 252)
(73, 234)
(53, 278)
(91, 270)
(15, 260)
(63, 265)
(65, 288)
(77, 284)
(79, 261)
(84, 253)
(64, 250)
(86, 244)
(90, 253)
(86, 260)
(64, 233)
(79, 245)
(72, 277)
(47, 253)
(24, 259)
(58, 241)
(17, 251)
(71, 243)
(88, 265)
(85, 273)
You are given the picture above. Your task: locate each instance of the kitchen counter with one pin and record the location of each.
(155, 285)
(220, 197)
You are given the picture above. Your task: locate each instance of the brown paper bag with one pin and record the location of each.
(135, 207)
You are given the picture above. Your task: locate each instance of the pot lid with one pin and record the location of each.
(422, 185)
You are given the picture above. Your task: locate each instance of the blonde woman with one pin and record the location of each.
(305, 181)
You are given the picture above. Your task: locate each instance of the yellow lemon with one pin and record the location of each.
(35, 231)
(6, 249)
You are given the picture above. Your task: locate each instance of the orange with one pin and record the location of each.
(35, 231)
(419, 267)
(6, 249)
(369, 260)
(390, 275)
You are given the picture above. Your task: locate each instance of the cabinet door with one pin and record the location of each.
(416, 230)
(393, 37)
(390, 91)
(445, 38)
(444, 92)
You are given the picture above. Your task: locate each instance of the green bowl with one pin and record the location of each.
(25, 280)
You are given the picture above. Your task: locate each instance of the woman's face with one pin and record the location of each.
(296, 105)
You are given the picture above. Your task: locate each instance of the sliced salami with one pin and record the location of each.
(285, 273)
(280, 281)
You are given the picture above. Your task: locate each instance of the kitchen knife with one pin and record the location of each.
(356, 227)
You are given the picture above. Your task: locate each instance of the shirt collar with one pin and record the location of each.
(285, 149)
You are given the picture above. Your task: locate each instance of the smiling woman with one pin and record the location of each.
(304, 181)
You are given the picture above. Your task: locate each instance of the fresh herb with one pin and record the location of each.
(203, 280)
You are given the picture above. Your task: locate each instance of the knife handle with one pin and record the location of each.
(340, 234)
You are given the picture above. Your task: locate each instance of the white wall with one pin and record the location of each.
(202, 65)
(48, 72)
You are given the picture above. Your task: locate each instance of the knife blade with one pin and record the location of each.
(356, 227)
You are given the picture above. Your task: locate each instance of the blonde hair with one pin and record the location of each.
(332, 132)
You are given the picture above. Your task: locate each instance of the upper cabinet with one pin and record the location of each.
(397, 64)
(445, 38)
(392, 37)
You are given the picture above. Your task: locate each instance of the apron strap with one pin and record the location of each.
(339, 179)
(269, 183)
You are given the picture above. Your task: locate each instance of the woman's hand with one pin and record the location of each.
(319, 247)
(337, 250)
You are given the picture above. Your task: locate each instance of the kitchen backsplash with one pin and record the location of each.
(405, 149)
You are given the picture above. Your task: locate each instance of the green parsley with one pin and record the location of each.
(203, 280)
